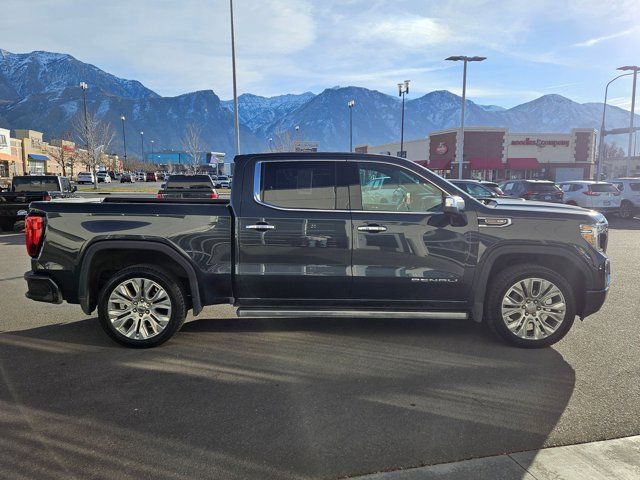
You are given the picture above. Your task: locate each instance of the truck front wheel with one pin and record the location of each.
(530, 306)
(141, 306)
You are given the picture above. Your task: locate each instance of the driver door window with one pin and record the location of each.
(389, 188)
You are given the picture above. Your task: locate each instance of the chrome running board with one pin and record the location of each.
(294, 313)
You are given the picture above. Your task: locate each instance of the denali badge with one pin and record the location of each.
(435, 280)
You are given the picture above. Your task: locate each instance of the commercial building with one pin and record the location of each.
(496, 154)
(10, 156)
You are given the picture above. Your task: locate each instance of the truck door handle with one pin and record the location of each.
(260, 227)
(372, 228)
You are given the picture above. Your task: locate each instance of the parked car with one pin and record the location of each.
(540, 190)
(600, 196)
(151, 177)
(141, 177)
(188, 186)
(128, 178)
(30, 188)
(222, 181)
(476, 189)
(85, 177)
(301, 239)
(103, 177)
(629, 195)
(493, 186)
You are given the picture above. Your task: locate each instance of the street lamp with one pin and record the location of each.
(235, 90)
(460, 147)
(152, 142)
(124, 138)
(84, 87)
(351, 104)
(403, 89)
(634, 69)
(602, 126)
(142, 144)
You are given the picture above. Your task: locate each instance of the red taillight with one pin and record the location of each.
(47, 198)
(214, 196)
(591, 194)
(33, 234)
(158, 195)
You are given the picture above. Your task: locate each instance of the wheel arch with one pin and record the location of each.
(129, 252)
(561, 260)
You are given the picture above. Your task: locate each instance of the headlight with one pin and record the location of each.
(595, 234)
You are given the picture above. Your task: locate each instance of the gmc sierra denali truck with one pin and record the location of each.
(322, 235)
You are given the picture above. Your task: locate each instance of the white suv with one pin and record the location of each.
(86, 177)
(600, 196)
(630, 195)
(103, 177)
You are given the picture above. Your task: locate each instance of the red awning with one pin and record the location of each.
(523, 163)
(440, 164)
(484, 163)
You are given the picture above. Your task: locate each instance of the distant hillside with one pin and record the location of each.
(39, 90)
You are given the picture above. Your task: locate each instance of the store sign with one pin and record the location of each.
(538, 142)
(442, 148)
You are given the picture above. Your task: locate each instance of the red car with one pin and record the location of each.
(151, 177)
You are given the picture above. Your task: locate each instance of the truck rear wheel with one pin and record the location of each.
(530, 306)
(141, 306)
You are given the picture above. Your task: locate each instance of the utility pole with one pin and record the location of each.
(235, 89)
(90, 156)
(351, 104)
(124, 139)
(460, 142)
(403, 89)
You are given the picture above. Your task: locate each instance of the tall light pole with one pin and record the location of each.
(403, 89)
(460, 147)
(152, 142)
(634, 69)
(84, 87)
(124, 139)
(235, 89)
(142, 145)
(351, 104)
(603, 132)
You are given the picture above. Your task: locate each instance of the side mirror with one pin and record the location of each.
(163, 185)
(453, 204)
(74, 188)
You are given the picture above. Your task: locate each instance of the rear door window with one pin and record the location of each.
(299, 185)
(635, 187)
(603, 188)
(543, 187)
(34, 184)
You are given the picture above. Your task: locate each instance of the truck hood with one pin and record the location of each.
(530, 206)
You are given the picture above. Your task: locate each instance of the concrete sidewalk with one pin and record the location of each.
(605, 460)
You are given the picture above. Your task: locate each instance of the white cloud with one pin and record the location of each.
(596, 40)
(407, 32)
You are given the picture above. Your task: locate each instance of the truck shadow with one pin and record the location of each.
(617, 223)
(271, 398)
(9, 238)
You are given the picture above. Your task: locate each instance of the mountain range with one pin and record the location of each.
(39, 90)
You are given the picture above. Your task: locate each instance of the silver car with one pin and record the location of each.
(630, 195)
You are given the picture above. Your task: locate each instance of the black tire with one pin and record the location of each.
(174, 291)
(499, 287)
(626, 209)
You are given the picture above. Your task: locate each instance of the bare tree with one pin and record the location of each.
(63, 153)
(96, 136)
(281, 141)
(193, 145)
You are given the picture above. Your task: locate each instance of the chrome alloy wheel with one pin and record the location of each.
(139, 308)
(533, 308)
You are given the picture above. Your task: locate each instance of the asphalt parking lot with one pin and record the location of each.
(271, 398)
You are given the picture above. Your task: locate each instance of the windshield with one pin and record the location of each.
(189, 182)
(603, 188)
(35, 184)
(542, 187)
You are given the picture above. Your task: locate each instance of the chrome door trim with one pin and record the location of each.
(260, 227)
(294, 313)
(372, 228)
(482, 222)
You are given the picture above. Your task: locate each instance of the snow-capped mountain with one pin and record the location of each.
(23, 74)
(257, 112)
(39, 90)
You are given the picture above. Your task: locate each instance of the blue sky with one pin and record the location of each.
(534, 47)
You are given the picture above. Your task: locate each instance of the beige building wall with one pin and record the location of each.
(416, 149)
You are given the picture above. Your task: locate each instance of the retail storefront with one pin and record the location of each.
(37, 163)
(496, 154)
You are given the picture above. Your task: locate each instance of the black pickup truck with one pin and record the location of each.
(30, 188)
(323, 235)
(188, 186)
